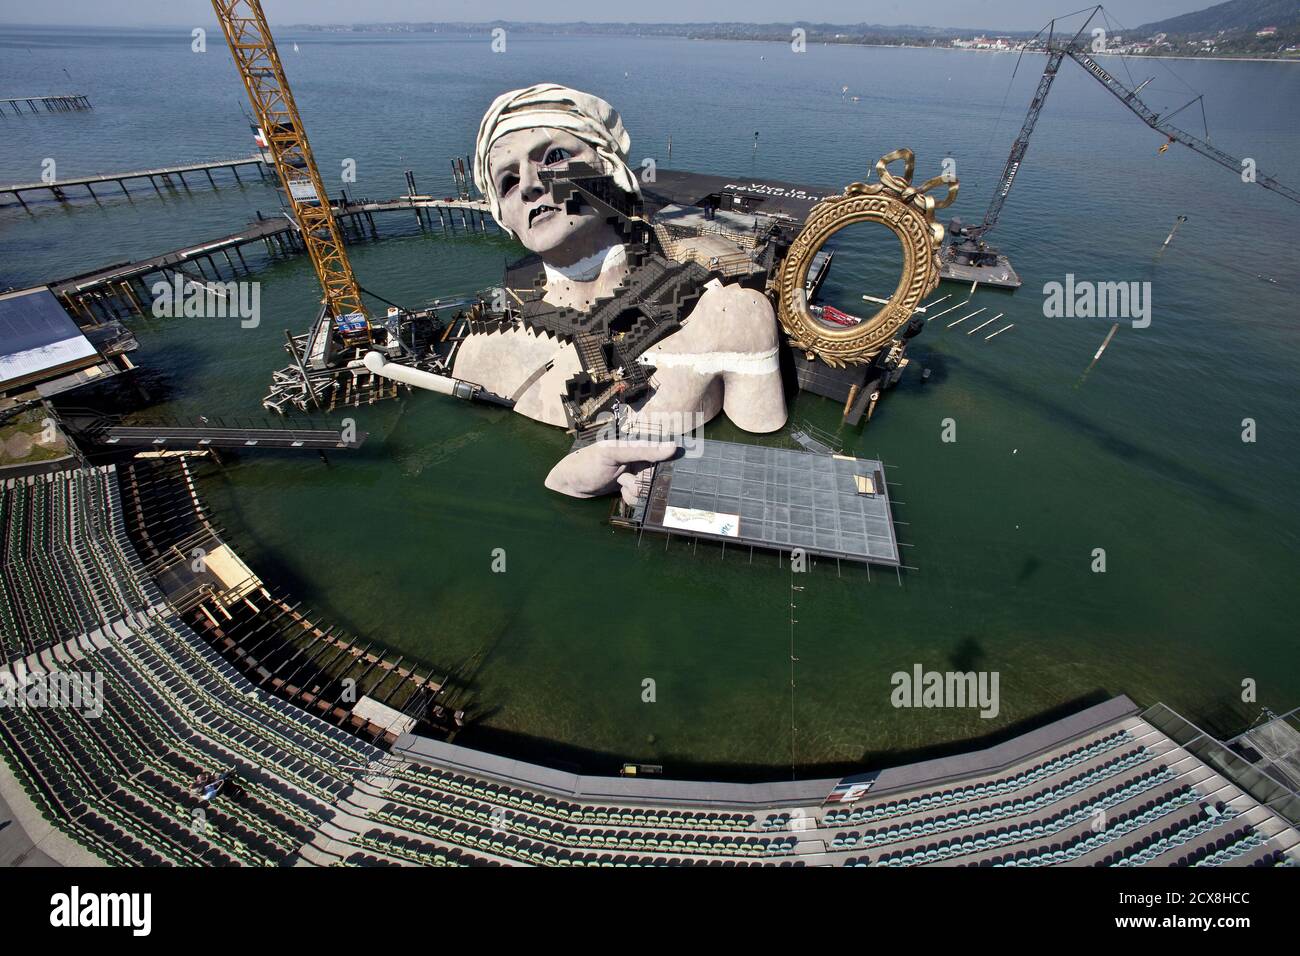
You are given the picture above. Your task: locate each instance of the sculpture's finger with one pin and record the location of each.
(628, 482)
(626, 453)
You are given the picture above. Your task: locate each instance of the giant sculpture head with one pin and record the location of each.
(541, 126)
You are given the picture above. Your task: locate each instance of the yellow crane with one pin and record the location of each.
(251, 44)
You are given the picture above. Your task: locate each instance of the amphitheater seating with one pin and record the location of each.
(119, 783)
(76, 601)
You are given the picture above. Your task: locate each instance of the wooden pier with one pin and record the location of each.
(121, 291)
(207, 437)
(169, 175)
(97, 432)
(54, 103)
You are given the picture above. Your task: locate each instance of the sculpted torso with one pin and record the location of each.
(723, 359)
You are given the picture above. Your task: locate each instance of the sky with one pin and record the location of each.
(984, 14)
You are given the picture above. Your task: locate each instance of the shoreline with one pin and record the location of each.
(314, 28)
(957, 49)
(325, 29)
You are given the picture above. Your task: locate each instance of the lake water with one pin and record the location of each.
(1144, 458)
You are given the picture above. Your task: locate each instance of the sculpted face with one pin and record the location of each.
(527, 207)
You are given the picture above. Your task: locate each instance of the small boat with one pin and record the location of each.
(833, 316)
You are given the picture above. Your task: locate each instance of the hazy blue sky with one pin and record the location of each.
(1006, 14)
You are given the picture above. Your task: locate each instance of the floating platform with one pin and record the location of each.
(965, 259)
(998, 275)
(780, 499)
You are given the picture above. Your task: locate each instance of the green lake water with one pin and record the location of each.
(1144, 458)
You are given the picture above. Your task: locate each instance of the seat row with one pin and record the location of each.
(1114, 831)
(1000, 811)
(449, 816)
(569, 811)
(1178, 836)
(1037, 830)
(992, 788)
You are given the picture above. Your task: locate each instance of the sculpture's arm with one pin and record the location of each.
(607, 466)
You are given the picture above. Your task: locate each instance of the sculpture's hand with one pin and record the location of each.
(606, 467)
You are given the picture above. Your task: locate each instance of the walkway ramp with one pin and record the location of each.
(200, 439)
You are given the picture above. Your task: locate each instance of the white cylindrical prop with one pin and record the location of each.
(443, 384)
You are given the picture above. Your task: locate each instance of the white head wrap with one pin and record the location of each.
(550, 105)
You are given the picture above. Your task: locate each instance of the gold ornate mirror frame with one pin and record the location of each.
(905, 210)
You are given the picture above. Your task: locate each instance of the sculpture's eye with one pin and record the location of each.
(556, 154)
(508, 182)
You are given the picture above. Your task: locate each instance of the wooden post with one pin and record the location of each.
(131, 297)
(848, 404)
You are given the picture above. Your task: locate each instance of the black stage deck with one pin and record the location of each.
(740, 194)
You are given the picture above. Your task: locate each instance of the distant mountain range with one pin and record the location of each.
(1243, 15)
(1238, 28)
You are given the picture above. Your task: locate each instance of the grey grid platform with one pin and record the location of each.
(776, 498)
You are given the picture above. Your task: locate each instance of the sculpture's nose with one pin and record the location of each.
(530, 186)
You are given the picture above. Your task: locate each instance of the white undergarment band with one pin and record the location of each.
(588, 268)
(710, 363)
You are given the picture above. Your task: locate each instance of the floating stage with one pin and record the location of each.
(779, 499)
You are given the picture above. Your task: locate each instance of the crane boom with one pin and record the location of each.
(1020, 146)
(251, 44)
(1130, 99)
(1018, 149)
(1056, 51)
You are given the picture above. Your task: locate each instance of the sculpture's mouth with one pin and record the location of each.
(541, 213)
